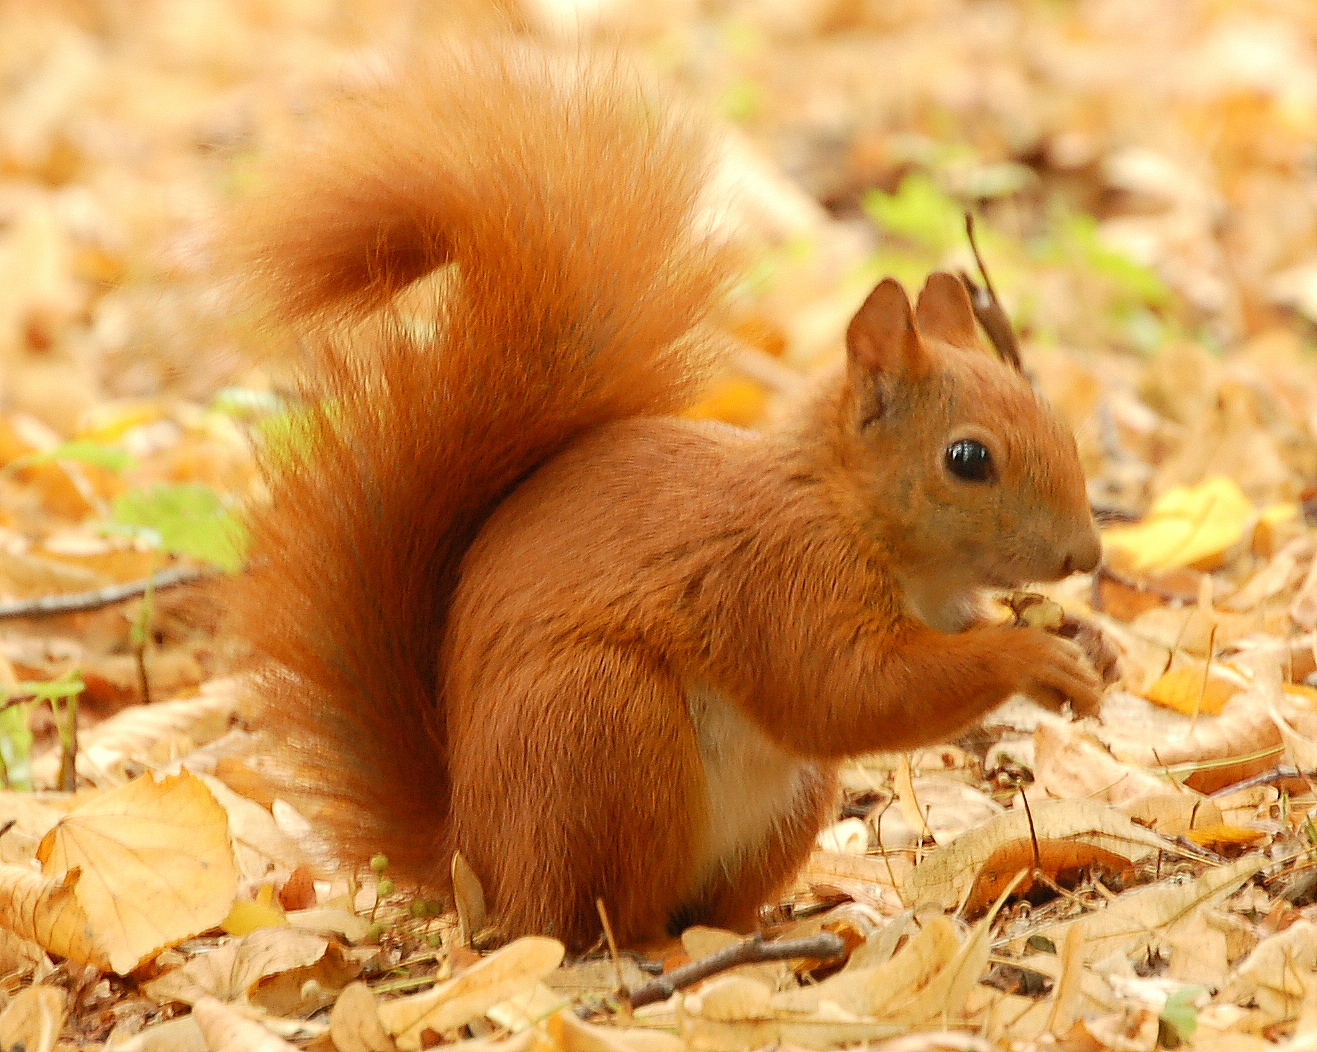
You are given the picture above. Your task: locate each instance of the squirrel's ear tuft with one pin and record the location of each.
(944, 311)
(882, 338)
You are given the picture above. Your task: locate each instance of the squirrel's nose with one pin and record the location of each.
(1084, 554)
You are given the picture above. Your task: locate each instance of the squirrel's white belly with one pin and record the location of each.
(753, 784)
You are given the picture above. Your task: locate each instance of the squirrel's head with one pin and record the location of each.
(962, 470)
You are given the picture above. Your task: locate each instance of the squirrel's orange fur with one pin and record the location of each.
(514, 609)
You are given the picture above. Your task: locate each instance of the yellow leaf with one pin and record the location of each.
(157, 866)
(1183, 690)
(247, 917)
(1220, 834)
(1187, 526)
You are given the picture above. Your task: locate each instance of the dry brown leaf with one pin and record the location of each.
(259, 844)
(867, 879)
(1216, 750)
(869, 990)
(570, 1033)
(33, 817)
(734, 1012)
(456, 1002)
(300, 992)
(946, 876)
(33, 1020)
(46, 911)
(524, 1009)
(1069, 764)
(468, 898)
(156, 864)
(1135, 918)
(330, 919)
(948, 806)
(1278, 973)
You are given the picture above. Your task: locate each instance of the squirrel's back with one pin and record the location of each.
(576, 289)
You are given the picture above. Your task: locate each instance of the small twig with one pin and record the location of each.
(754, 950)
(74, 602)
(1280, 773)
(612, 945)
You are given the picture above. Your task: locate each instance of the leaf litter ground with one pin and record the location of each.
(1143, 177)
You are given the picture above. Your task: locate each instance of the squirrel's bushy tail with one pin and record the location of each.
(562, 205)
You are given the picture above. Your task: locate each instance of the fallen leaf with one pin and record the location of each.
(354, 1022)
(229, 971)
(1186, 526)
(455, 1003)
(33, 1020)
(46, 911)
(156, 864)
(1133, 920)
(1087, 828)
(1191, 690)
(228, 1031)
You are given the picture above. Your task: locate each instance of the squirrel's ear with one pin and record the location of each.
(945, 313)
(881, 338)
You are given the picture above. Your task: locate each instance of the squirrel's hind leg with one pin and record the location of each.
(576, 777)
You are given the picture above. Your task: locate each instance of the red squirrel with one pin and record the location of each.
(513, 606)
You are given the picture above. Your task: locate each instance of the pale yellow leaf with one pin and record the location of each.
(227, 1031)
(455, 1003)
(354, 1022)
(259, 844)
(330, 919)
(1278, 973)
(32, 1021)
(133, 736)
(156, 863)
(468, 898)
(1129, 923)
(249, 915)
(870, 990)
(573, 1034)
(230, 970)
(525, 1008)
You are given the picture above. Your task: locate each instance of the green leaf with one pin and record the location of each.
(1139, 285)
(16, 744)
(188, 519)
(1180, 1012)
(111, 458)
(919, 212)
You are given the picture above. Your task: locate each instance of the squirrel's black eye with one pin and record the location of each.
(969, 460)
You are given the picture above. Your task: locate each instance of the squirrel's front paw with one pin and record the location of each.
(1061, 674)
(1102, 653)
